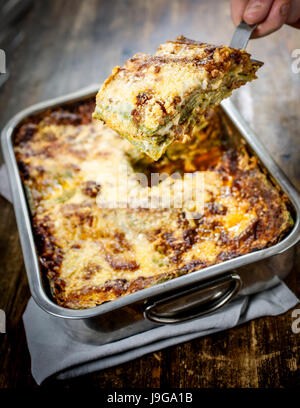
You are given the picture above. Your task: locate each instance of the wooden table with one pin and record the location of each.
(71, 44)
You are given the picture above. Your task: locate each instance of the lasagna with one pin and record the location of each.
(92, 252)
(154, 100)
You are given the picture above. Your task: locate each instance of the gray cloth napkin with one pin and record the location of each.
(55, 353)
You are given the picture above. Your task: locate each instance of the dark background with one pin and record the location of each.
(65, 45)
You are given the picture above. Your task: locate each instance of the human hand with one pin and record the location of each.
(270, 15)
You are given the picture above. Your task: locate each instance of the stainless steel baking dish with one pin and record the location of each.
(185, 297)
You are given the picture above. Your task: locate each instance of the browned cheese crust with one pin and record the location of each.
(91, 254)
(154, 100)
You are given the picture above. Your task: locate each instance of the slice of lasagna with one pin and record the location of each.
(154, 100)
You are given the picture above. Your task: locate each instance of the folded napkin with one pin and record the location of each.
(54, 352)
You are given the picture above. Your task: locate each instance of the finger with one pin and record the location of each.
(276, 18)
(257, 10)
(294, 14)
(237, 10)
(296, 24)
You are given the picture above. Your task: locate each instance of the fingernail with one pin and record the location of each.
(284, 9)
(254, 7)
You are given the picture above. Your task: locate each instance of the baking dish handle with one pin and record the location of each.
(194, 302)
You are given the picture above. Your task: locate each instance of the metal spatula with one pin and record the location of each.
(242, 35)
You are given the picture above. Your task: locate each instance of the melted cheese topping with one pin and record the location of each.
(152, 99)
(92, 253)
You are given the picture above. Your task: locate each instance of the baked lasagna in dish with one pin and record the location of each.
(91, 253)
(154, 100)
